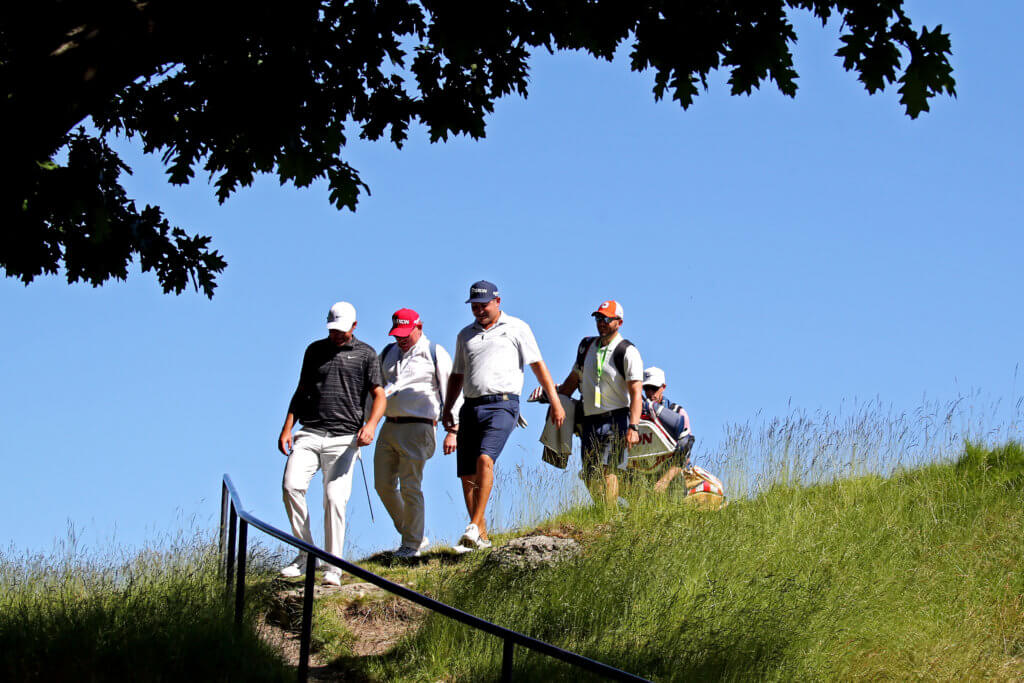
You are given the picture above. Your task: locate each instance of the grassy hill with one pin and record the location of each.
(915, 575)
(919, 575)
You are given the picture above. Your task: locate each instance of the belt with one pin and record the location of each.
(491, 398)
(409, 420)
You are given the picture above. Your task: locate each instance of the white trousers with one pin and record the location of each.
(402, 451)
(336, 456)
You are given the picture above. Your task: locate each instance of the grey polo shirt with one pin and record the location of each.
(333, 386)
(492, 360)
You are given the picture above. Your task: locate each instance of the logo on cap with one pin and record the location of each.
(482, 291)
(403, 321)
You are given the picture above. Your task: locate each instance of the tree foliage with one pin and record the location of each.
(232, 89)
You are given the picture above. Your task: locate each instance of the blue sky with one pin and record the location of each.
(769, 252)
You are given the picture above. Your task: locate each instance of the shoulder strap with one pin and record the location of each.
(619, 356)
(581, 351)
(433, 357)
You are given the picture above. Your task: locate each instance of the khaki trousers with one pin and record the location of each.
(402, 451)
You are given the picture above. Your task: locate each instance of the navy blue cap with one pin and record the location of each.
(481, 292)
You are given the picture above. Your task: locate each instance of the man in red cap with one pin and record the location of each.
(415, 372)
(609, 373)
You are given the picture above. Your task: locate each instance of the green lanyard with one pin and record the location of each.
(601, 359)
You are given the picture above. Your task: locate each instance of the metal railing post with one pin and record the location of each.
(243, 529)
(223, 516)
(229, 570)
(306, 634)
(508, 650)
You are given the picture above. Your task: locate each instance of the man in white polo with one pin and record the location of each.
(338, 374)
(608, 372)
(415, 372)
(489, 358)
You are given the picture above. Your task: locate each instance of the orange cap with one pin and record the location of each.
(611, 309)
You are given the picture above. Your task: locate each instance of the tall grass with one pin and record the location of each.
(871, 544)
(150, 616)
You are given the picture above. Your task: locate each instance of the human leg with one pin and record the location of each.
(483, 483)
(338, 462)
(410, 475)
(386, 459)
(303, 462)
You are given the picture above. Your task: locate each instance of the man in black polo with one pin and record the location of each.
(338, 374)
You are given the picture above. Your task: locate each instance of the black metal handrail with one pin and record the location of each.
(234, 544)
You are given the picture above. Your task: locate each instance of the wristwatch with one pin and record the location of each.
(635, 428)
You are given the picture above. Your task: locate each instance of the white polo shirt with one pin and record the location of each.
(412, 387)
(492, 360)
(614, 390)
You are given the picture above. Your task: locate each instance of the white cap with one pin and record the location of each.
(341, 317)
(654, 377)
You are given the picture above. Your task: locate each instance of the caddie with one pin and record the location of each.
(608, 372)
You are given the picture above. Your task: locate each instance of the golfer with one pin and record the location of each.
(338, 374)
(488, 368)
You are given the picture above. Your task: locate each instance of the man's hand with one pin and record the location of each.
(451, 440)
(284, 442)
(632, 438)
(536, 394)
(556, 413)
(661, 486)
(365, 435)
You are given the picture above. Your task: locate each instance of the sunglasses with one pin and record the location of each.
(604, 319)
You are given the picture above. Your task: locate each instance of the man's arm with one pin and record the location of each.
(636, 404)
(455, 382)
(368, 430)
(556, 413)
(284, 442)
(571, 383)
(444, 373)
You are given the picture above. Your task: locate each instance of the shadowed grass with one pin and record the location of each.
(155, 616)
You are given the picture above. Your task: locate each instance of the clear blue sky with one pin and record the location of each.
(766, 250)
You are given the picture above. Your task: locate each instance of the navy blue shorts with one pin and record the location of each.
(484, 426)
(603, 440)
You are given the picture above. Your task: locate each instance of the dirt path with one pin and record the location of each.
(375, 618)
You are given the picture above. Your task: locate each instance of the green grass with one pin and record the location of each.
(917, 575)
(870, 546)
(156, 616)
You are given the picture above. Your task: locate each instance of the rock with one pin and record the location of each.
(531, 552)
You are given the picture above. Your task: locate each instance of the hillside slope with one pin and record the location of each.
(914, 576)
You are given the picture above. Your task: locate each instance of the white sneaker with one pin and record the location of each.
(293, 570)
(462, 549)
(332, 577)
(483, 544)
(470, 536)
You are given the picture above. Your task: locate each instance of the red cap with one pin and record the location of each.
(403, 322)
(611, 309)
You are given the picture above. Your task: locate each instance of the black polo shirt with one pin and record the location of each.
(333, 385)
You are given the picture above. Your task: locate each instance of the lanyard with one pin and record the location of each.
(600, 360)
